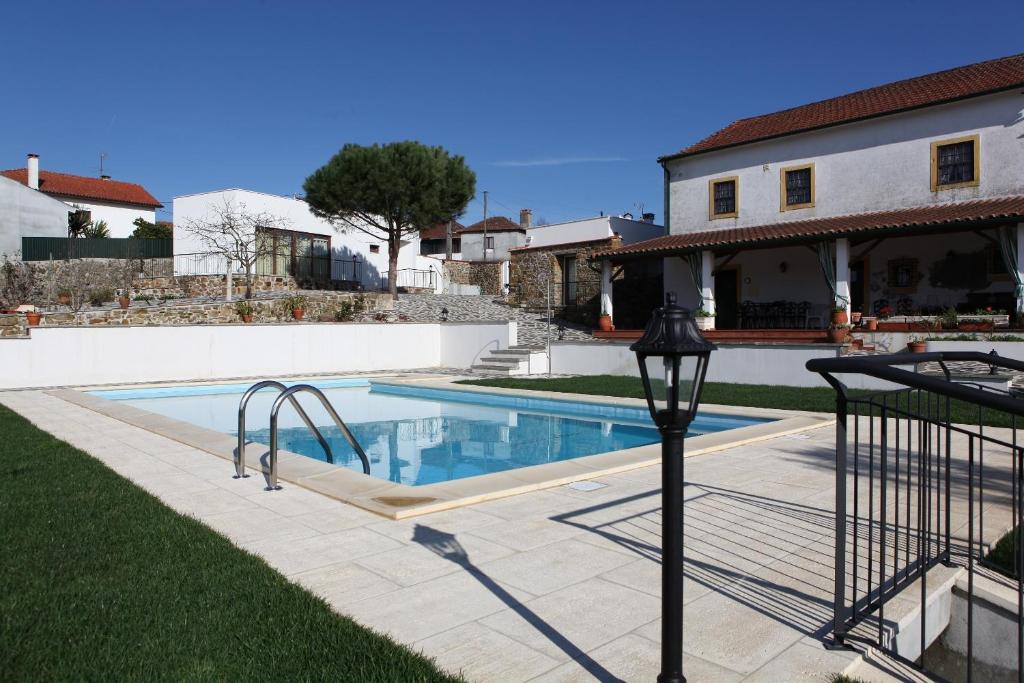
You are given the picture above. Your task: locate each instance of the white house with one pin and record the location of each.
(117, 202)
(594, 229)
(905, 197)
(309, 247)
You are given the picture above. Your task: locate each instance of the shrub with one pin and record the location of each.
(244, 308)
(17, 282)
(101, 295)
(295, 302)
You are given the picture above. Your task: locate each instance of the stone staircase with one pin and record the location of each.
(515, 360)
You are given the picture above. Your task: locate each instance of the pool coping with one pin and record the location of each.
(401, 501)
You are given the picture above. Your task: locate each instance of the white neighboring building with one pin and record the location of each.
(592, 230)
(117, 202)
(354, 255)
(27, 213)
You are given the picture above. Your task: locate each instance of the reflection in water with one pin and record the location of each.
(435, 449)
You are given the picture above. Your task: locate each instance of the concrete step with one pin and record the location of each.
(523, 347)
(513, 361)
(490, 367)
(512, 352)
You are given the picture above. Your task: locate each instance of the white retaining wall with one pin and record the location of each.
(774, 364)
(67, 356)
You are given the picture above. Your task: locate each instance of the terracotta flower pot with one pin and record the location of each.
(837, 336)
(839, 317)
(872, 324)
(34, 317)
(604, 323)
(64, 299)
(247, 318)
(855, 317)
(297, 313)
(123, 301)
(917, 347)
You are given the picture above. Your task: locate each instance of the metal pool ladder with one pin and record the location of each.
(288, 394)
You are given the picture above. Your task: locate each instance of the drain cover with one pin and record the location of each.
(586, 485)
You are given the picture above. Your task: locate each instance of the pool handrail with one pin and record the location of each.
(288, 394)
(240, 451)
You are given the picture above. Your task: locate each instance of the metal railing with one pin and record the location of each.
(288, 394)
(917, 468)
(315, 269)
(411, 278)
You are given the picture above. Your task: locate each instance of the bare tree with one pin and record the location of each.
(237, 234)
(80, 279)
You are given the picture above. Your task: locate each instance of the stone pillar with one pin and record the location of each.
(606, 288)
(1020, 262)
(227, 279)
(707, 275)
(843, 272)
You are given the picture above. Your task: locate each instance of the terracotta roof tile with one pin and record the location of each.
(496, 224)
(999, 208)
(944, 86)
(67, 185)
(440, 231)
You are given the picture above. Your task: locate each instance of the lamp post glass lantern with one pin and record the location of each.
(673, 357)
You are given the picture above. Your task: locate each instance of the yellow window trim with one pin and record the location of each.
(935, 163)
(711, 197)
(782, 188)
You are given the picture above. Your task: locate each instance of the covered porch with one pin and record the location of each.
(783, 281)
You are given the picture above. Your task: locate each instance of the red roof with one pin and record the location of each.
(999, 208)
(67, 185)
(439, 231)
(496, 224)
(944, 86)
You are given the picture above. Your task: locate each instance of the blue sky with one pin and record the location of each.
(558, 106)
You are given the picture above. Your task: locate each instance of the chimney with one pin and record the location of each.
(649, 218)
(104, 177)
(33, 171)
(525, 218)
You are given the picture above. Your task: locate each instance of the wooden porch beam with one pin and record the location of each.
(724, 263)
(868, 250)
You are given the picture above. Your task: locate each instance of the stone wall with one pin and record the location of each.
(530, 270)
(320, 306)
(485, 274)
(52, 276)
(210, 285)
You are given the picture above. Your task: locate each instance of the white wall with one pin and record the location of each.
(28, 213)
(296, 213)
(473, 245)
(782, 365)
(120, 218)
(872, 165)
(63, 356)
(589, 229)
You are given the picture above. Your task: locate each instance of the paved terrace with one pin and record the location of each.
(556, 585)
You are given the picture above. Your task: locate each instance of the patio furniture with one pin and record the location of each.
(770, 315)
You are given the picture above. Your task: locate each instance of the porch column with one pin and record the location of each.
(843, 271)
(1020, 263)
(606, 288)
(707, 277)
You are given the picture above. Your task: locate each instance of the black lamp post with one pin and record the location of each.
(444, 315)
(673, 357)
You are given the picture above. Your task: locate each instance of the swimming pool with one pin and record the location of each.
(418, 435)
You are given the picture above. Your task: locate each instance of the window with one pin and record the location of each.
(903, 275)
(723, 198)
(489, 243)
(955, 163)
(374, 248)
(797, 188)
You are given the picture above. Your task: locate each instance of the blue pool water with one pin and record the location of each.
(420, 435)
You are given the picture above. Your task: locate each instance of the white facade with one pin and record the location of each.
(27, 213)
(878, 164)
(504, 241)
(372, 253)
(120, 218)
(591, 229)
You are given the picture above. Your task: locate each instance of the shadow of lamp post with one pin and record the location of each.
(673, 357)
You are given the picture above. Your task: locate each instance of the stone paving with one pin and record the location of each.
(533, 327)
(561, 584)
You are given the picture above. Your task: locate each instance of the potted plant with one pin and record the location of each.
(604, 321)
(244, 309)
(838, 332)
(855, 317)
(916, 344)
(705, 320)
(871, 323)
(33, 317)
(124, 301)
(297, 304)
(839, 316)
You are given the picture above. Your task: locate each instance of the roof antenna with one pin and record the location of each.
(103, 156)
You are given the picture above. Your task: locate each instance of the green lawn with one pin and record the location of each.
(812, 399)
(101, 581)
